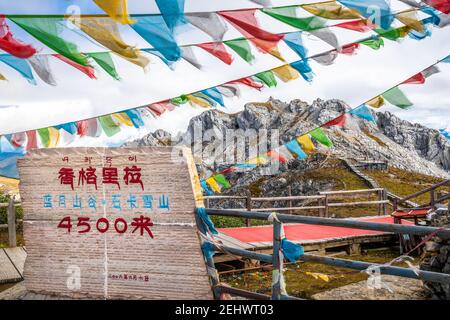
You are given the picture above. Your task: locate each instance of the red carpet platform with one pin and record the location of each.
(304, 232)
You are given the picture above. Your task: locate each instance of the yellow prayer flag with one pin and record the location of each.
(123, 118)
(116, 9)
(54, 136)
(306, 143)
(198, 101)
(277, 54)
(409, 19)
(376, 102)
(2, 77)
(213, 184)
(259, 160)
(331, 10)
(286, 73)
(106, 32)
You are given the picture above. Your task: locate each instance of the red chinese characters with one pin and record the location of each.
(111, 176)
(87, 176)
(66, 176)
(133, 175)
(141, 224)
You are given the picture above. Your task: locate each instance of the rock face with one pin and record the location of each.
(428, 143)
(404, 145)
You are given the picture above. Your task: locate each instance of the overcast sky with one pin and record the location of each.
(353, 79)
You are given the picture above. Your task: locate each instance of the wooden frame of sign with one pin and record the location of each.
(113, 223)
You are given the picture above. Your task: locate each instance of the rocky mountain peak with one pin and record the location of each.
(403, 144)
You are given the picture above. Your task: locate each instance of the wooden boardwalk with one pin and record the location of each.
(313, 238)
(12, 261)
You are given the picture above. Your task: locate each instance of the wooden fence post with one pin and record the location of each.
(277, 262)
(385, 205)
(380, 198)
(12, 224)
(395, 204)
(248, 203)
(432, 198)
(290, 201)
(327, 214)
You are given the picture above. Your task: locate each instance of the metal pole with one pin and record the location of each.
(443, 233)
(12, 224)
(350, 264)
(211, 267)
(277, 263)
(290, 201)
(248, 223)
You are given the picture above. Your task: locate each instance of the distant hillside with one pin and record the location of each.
(9, 186)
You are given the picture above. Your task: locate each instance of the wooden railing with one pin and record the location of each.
(435, 198)
(321, 202)
(11, 225)
(276, 260)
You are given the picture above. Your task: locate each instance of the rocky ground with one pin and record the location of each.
(437, 257)
(399, 289)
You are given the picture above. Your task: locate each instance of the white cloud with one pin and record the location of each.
(352, 79)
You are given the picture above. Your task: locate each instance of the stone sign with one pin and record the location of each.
(113, 223)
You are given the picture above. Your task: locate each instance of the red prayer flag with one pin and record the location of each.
(87, 70)
(275, 155)
(416, 79)
(349, 49)
(18, 139)
(228, 170)
(31, 141)
(245, 22)
(441, 5)
(160, 107)
(11, 45)
(82, 127)
(218, 50)
(339, 121)
(357, 25)
(248, 82)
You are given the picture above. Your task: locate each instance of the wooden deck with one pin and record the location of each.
(318, 239)
(12, 261)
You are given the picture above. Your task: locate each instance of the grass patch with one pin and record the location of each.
(342, 179)
(302, 285)
(235, 222)
(404, 183)
(9, 185)
(340, 176)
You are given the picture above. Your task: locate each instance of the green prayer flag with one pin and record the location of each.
(374, 43)
(105, 61)
(108, 125)
(393, 33)
(180, 100)
(47, 30)
(44, 134)
(288, 15)
(268, 78)
(242, 48)
(319, 135)
(220, 178)
(396, 97)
